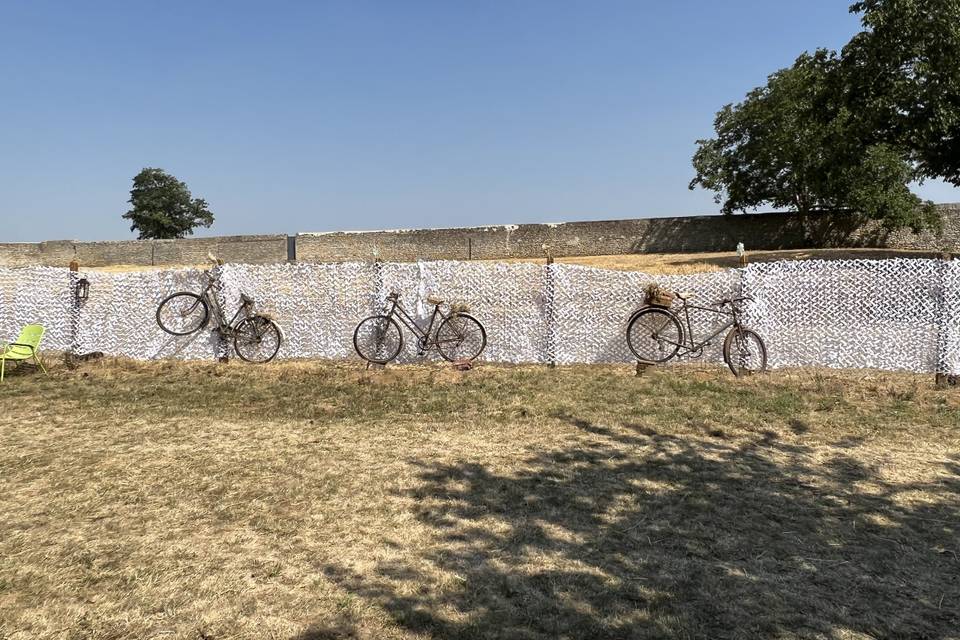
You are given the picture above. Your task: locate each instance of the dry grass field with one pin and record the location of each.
(684, 263)
(665, 263)
(311, 500)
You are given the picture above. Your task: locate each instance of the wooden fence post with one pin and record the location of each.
(74, 313)
(550, 301)
(942, 378)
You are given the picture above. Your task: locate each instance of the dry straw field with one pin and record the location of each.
(668, 263)
(686, 263)
(312, 500)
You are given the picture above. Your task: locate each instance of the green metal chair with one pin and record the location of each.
(27, 346)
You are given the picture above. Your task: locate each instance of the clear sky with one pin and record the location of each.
(315, 116)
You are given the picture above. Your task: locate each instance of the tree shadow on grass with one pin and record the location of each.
(633, 533)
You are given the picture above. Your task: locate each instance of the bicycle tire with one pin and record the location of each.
(261, 331)
(662, 327)
(373, 353)
(459, 335)
(759, 358)
(183, 298)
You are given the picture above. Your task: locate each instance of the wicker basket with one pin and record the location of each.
(660, 299)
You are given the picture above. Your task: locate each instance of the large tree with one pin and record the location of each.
(792, 144)
(849, 131)
(162, 207)
(903, 78)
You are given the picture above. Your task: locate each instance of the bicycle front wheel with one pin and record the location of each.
(744, 352)
(654, 335)
(461, 338)
(257, 339)
(182, 313)
(377, 339)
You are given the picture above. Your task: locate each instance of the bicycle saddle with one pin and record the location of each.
(245, 299)
(685, 295)
(434, 300)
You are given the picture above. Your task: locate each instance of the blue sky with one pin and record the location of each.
(315, 116)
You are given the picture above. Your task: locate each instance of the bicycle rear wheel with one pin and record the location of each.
(182, 313)
(461, 338)
(744, 352)
(257, 339)
(654, 335)
(377, 339)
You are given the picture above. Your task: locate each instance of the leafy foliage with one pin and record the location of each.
(903, 76)
(775, 146)
(163, 207)
(848, 131)
(878, 187)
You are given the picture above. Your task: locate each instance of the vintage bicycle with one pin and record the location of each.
(459, 337)
(256, 338)
(655, 334)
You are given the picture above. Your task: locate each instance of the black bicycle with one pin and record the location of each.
(256, 337)
(656, 334)
(459, 337)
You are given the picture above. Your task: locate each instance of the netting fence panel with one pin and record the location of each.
(37, 295)
(593, 306)
(888, 314)
(317, 306)
(881, 314)
(119, 317)
(949, 319)
(507, 299)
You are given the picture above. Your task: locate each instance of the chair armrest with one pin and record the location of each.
(20, 344)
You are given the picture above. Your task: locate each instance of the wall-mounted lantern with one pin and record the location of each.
(83, 290)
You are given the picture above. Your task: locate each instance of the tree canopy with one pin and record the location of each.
(848, 131)
(903, 72)
(163, 207)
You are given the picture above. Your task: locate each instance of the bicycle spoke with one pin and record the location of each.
(654, 335)
(377, 339)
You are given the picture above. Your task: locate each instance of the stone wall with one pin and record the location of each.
(189, 251)
(763, 231)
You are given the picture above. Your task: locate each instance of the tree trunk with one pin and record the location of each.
(803, 213)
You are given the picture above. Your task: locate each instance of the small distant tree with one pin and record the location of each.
(163, 208)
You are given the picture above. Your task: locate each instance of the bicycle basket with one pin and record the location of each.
(657, 296)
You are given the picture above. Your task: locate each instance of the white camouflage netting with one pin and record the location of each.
(881, 314)
(886, 314)
(592, 308)
(316, 306)
(119, 317)
(948, 358)
(38, 295)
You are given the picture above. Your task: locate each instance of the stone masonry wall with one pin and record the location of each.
(764, 231)
(188, 251)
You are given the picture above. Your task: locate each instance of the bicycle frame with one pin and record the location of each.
(733, 320)
(397, 310)
(208, 294)
(687, 344)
